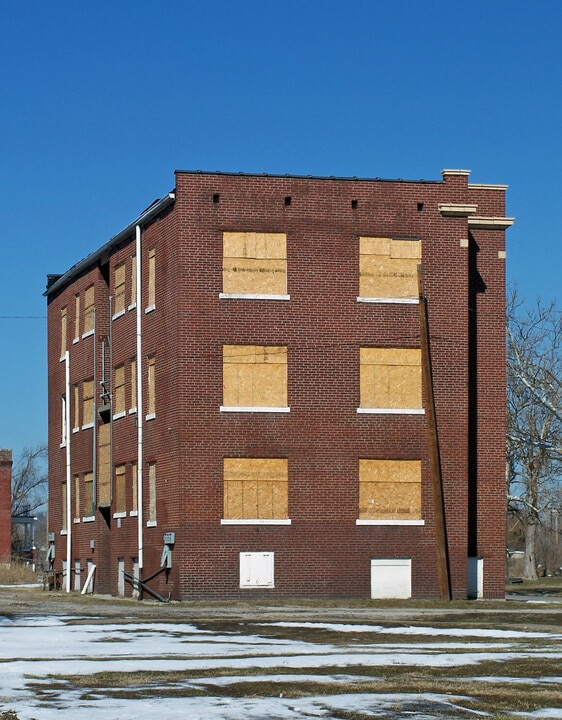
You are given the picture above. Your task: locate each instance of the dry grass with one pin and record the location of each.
(17, 574)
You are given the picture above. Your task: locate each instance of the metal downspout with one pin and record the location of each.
(68, 508)
(139, 402)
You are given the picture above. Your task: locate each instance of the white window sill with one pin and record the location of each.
(391, 411)
(119, 415)
(62, 359)
(132, 411)
(390, 522)
(75, 520)
(87, 426)
(89, 518)
(151, 523)
(134, 513)
(252, 296)
(87, 334)
(64, 532)
(119, 515)
(283, 409)
(389, 301)
(118, 314)
(256, 521)
(132, 306)
(150, 416)
(266, 586)
(150, 309)
(76, 341)
(63, 444)
(75, 430)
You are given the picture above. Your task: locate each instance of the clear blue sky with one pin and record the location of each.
(101, 101)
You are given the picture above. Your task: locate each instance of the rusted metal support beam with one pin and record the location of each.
(434, 454)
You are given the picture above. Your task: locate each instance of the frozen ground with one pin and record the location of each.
(35, 648)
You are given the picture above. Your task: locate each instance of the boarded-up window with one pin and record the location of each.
(133, 377)
(88, 494)
(119, 399)
(151, 277)
(120, 489)
(133, 279)
(391, 378)
(389, 490)
(255, 488)
(135, 489)
(88, 402)
(119, 301)
(152, 492)
(77, 317)
(254, 376)
(104, 465)
(254, 263)
(63, 331)
(151, 400)
(76, 497)
(89, 310)
(388, 267)
(76, 406)
(64, 505)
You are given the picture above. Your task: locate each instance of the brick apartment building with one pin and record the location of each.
(5, 507)
(242, 401)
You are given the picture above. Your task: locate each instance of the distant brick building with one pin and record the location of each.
(5, 507)
(238, 392)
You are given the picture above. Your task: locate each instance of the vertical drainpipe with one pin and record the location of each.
(68, 508)
(139, 401)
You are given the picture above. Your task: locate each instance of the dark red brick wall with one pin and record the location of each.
(323, 552)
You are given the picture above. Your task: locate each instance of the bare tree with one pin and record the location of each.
(29, 481)
(534, 418)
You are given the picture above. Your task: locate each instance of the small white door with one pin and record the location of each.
(77, 575)
(121, 577)
(475, 578)
(391, 578)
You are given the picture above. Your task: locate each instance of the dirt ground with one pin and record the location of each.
(36, 601)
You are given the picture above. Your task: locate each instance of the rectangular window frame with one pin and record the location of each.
(260, 484)
(254, 266)
(254, 374)
(378, 369)
(383, 478)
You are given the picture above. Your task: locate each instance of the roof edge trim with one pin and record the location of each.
(144, 218)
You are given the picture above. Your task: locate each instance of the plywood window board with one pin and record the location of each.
(119, 401)
(89, 299)
(390, 378)
(255, 488)
(389, 489)
(254, 376)
(119, 304)
(104, 465)
(388, 267)
(254, 263)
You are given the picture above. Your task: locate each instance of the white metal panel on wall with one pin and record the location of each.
(475, 578)
(391, 578)
(256, 569)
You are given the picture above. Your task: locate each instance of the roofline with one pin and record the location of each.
(157, 207)
(288, 176)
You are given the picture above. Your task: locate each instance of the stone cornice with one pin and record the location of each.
(456, 209)
(490, 223)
